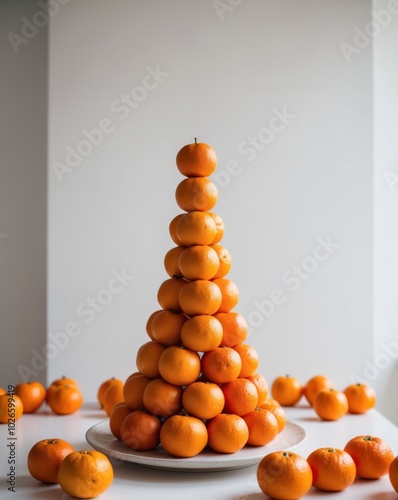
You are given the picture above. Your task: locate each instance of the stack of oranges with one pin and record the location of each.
(196, 382)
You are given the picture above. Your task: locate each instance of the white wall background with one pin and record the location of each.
(222, 77)
(23, 194)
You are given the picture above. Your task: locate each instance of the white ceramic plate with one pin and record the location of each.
(100, 438)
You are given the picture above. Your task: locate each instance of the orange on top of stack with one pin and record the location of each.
(196, 374)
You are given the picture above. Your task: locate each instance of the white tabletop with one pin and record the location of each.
(137, 481)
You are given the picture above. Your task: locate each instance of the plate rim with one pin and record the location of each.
(210, 461)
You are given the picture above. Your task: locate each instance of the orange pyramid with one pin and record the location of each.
(197, 383)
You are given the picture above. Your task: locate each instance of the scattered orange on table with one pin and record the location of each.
(314, 385)
(11, 407)
(284, 475)
(360, 397)
(45, 457)
(85, 474)
(372, 456)
(332, 469)
(287, 390)
(65, 399)
(330, 404)
(102, 388)
(393, 473)
(32, 394)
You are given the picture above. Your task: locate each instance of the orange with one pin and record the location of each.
(141, 431)
(166, 327)
(162, 398)
(119, 412)
(113, 395)
(196, 159)
(332, 469)
(198, 262)
(196, 228)
(286, 390)
(225, 260)
(235, 328)
(261, 386)
(45, 457)
(221, 365)
(148, 325)
(168, 293)
(262, 425)
(249, 358)
(183, 436)
(171, 262)
(202, 333)
(284, 475)
(32, 394)
(372, 456)
(199, 297)
(393, 474)
(133, 391)
(173, 230)
(65, 399)
(2, 391)
(57, 382)
(11, 407)
(227, 433)
(316, 384)
(274, 407)
(196, 193)
(330, 404)
(229, 294)
(147, 359)
(240, 396)
(219, 228)
(64, 381)
(85, 474)
(179, 366)
(203, 400)
(102, 388)
(360, 397)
